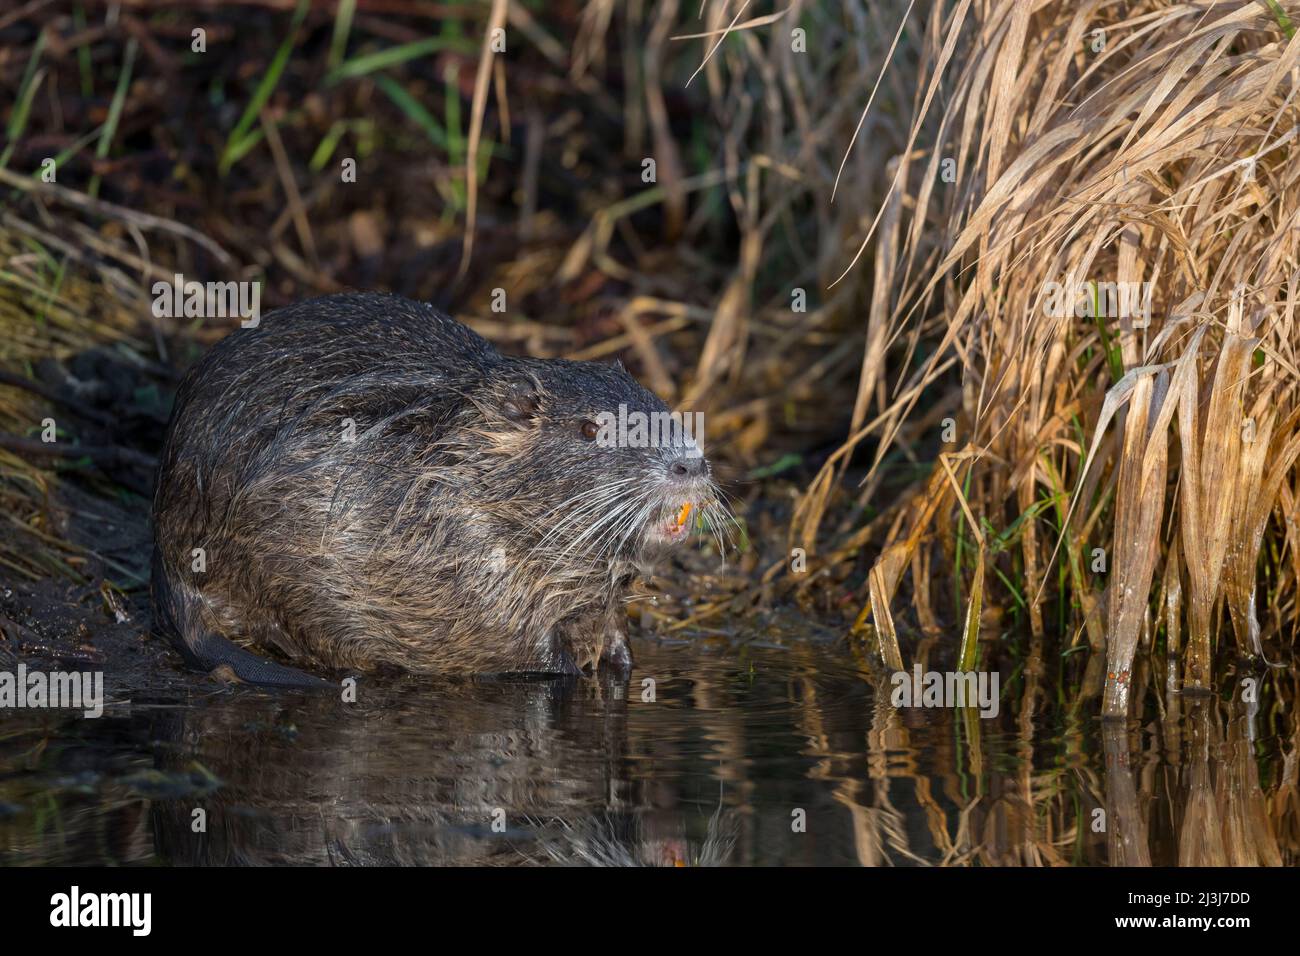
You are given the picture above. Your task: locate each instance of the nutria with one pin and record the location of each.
(361, 481)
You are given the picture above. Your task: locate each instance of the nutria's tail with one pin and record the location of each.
(176, 616)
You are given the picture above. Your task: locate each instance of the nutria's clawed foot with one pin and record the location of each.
(618, 659)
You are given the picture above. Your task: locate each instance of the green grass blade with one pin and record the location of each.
(971, 632)
(23, 104)
(235, 145)
(342, 28)
(413, 111)
(381, 60)
(114, 111)
(1282, 19)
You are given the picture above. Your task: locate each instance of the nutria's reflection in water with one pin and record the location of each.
(414, 773)
(756, 755)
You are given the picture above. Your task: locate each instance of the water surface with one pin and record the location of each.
(746, 754)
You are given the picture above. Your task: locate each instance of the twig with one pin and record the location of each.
(496, 20)
(44, 391)
(290, 186)
(15, 15)
(99, 454)
(113, 211)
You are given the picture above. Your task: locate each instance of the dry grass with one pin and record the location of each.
(52, 307)
(1167, 155)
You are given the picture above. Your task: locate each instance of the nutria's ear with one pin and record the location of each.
(520, 400)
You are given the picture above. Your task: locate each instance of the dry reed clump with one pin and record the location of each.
(1156, 157)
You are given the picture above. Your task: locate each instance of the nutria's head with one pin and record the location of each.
(599, 465)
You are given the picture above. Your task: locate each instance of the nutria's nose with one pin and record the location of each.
(687, 467)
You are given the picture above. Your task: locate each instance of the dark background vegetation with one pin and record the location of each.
(226, 164)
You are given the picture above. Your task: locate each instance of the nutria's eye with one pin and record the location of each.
(589, 431)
